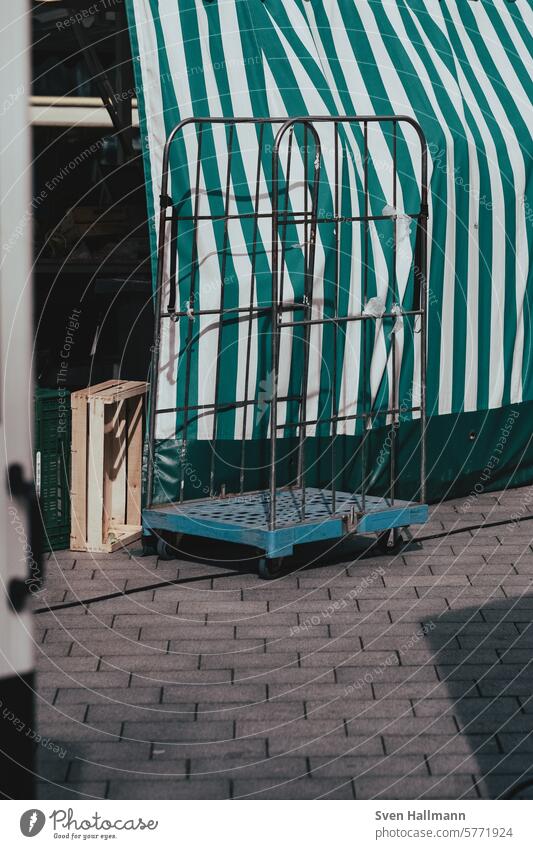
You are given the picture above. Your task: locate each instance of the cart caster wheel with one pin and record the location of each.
(389, 542)
(149, 548)
(164, 550)
(269, 568)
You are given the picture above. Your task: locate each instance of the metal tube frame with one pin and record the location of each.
(310, 219)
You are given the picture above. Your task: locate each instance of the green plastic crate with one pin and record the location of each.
(52, 465)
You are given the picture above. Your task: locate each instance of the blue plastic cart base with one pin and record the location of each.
(244, 518)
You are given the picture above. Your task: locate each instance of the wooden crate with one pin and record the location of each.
(105, 494)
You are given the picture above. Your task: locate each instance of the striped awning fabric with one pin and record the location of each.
(462, 69)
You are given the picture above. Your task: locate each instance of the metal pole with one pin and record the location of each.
(165, 201)
(423, 307)
(274, 334)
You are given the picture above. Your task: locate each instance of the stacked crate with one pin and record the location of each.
(52, 465)
(107, 422)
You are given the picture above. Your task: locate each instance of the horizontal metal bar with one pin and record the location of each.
(291, 217)
(229, 310)
(353, 317)
(230, 405)
(226, 311)
(288, 308)
(373, 415)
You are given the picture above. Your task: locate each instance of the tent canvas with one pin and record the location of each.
(462, 70)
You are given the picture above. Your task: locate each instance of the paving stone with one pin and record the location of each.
(134, 769)
(274, 634)
(502, 764)
(68, 665)
(345, 660)
(460, 787)
(497, 786)
(82, 790)
(282, 594)
(176, 731)
(224, 692)
(387, 673)
(468, 707)
(217, 646)
(449, 657)
(319, 690)
(330, 745)
(86, 680)
(107, 751)
(354, 709)
(238, 769)
(271, 661)
(513, 742)
(265, 711)
(278, 617)
(52, 770)
(251, 748)
(146, 663)
(240, 612)
(429, 744)
(164, 788)
(48, 714)
(108, 695)
(79, 618)
(116, 644)
(306, 728)
(303, 788)
(358, 767)
(77, 731)
(406, 725)
(284, 676)
(188, 677)
(74, 634)
(429, 690)
(121, 712)
(405, 590)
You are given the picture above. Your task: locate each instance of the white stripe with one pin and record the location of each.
(523, 103)
(472, 295)
(148, 55)
(517, 164)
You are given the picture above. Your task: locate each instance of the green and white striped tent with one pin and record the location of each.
(462, 69)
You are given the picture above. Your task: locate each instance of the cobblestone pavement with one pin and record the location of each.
(353, 676)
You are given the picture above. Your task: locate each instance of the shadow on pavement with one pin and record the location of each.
(486, 660)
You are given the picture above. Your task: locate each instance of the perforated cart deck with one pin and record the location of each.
(245, 518)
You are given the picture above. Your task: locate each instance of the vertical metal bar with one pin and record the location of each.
(308, 306)
(190, 321)
(274, 338)
(171, 306)
(285, 216)
(365, 296)
(222, 292)
(423, 306)
(252, 292)
(303, 386)
(395, 388)
(154, 366)
(306, 196)
(334, 406)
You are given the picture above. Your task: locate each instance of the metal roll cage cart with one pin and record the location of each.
(276, 519)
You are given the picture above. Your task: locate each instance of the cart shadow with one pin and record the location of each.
(484, 655)
(243, 559)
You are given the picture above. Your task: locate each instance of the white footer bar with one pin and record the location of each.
(258, 824)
